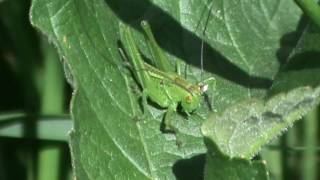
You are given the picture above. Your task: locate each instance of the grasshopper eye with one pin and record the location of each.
(189, 99)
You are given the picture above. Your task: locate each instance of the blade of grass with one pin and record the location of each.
(52, 102)
(311, 8)
(291, 162)
(14, 127)
(309, 171)
(11, 116)
(273, 159)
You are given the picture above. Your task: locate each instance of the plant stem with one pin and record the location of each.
(311, 8)
(52, 102)
(309, 170)
(273, 158)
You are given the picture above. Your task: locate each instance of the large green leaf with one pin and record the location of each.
(111, 139)
(242, 129)
(244, 52)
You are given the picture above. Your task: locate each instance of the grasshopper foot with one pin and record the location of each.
(167, 125)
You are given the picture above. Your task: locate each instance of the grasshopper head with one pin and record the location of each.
(190, 103)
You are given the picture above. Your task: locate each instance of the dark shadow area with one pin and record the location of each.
(299, 68)
(12, 162)
(286, 166)
(10, 91)
(306, 60)
(190, 169)
(170, 35)
(11, 94)
(289, 41)
(14, 157)
(23, 47)
(65, 160)
(303, 65)
(301, 71)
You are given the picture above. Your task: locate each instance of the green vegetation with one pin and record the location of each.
(263, 55)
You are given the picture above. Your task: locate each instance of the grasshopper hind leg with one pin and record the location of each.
(143, 105)
(169, 116)
(144, 101)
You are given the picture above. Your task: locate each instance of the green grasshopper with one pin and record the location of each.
(165, 88)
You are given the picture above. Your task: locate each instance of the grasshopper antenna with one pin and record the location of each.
(203, 35)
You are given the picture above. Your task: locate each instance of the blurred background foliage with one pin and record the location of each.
(34, 98)
(34, 121)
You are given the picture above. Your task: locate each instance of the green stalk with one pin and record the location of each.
(290, 162)
(273, 159)
(309, 170)
(52, 102)
(49, 163)
(311, 8)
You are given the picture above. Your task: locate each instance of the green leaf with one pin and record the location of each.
(108, 141)
(243, 52)
(221, 167)
(111, 139)
(244, 128)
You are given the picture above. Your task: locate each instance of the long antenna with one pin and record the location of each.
(203, 35)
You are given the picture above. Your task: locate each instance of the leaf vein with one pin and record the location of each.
(116, 143)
